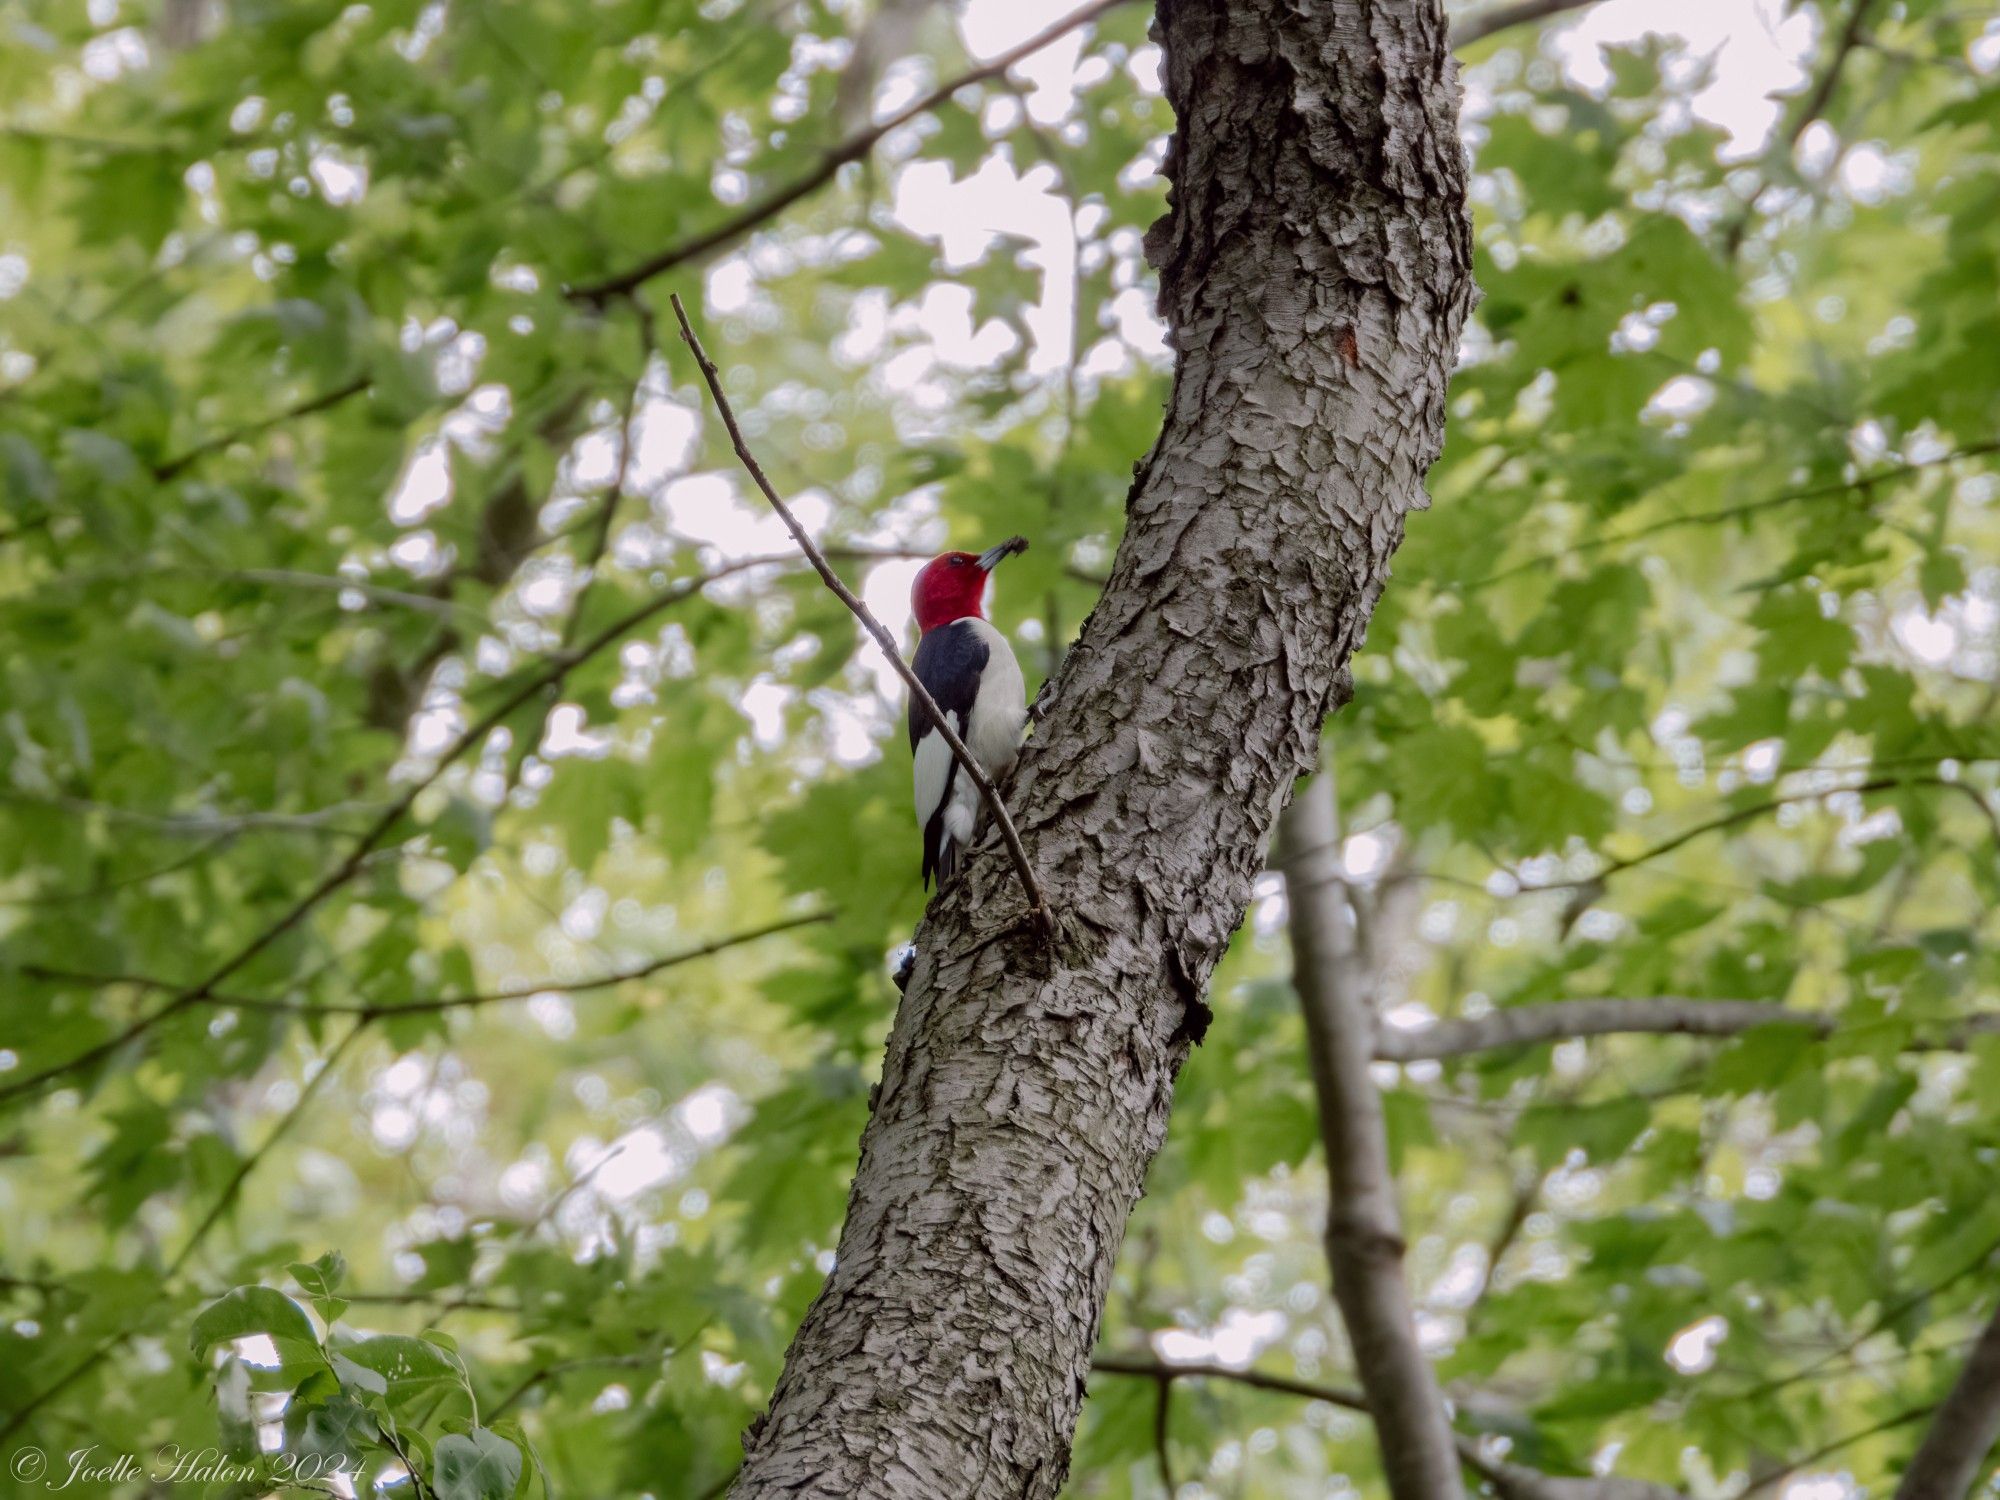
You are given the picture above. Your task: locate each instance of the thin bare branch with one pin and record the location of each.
(1559, 1020)
(600, 530)
(439, 605)
(1885, 1315)
(1862, 482)
(1513, 1482)
(1812, 105)
(545, 1373)
(1477, 28)
(422, 1004)
(1657, 1015)
(174, 467)
(424, 1299)
(854, 148)
(1510, 1480)
(553, 672)
(228, 1196)
(600, 982)
(1827, 1450)
(323, 821)
(1755, 810)
(234, 1187)
(1038, 910)
(1148, 1367)
(1520, 1208)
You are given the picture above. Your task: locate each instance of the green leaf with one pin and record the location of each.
(416, 1375)
(320, 1280)
(1601, 1130)
(251, 1310)
(479, 1465)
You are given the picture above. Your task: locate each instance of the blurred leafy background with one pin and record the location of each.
(429, 834)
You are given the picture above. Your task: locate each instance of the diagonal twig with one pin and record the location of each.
(231, 1191)
(1811, 107)
(853, 149)
(1736, 512)
(1038, 908)
(424, 1004)
(600, 528)
(553, 672)
(1756, 810)
(1478, 27)
(174, 467)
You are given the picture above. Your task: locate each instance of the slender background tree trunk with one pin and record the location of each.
(1315, 269)
(1963, 1432)
(1364, 1224)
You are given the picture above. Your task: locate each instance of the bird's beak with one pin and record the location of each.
(992, 557)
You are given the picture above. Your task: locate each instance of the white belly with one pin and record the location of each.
(994, 733)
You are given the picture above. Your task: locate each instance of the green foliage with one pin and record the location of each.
(310, 464)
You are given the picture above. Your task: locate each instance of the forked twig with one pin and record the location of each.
(1038, 909)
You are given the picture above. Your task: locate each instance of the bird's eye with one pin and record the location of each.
(958, 562)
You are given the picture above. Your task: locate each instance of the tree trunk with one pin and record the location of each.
(1963, 1432)
(1315, 269)
(1364, 1225)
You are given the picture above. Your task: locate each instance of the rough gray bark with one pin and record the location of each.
(1964, 1430)
(1315, 269)
(1364, 1226)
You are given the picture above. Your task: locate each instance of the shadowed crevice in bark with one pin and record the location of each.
(1315, 271)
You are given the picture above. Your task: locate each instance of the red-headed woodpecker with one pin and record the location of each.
(969, 670)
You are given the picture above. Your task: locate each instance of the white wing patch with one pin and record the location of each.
(933, 769)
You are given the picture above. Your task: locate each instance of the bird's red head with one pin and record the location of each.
(952, 586)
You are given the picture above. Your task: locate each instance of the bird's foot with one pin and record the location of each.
(1044, 701)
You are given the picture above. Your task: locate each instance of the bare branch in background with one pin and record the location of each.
(1583, 546)
(419, 1004)
(1812, 106)
(1483, 24)
(1150, 1368)
(552, 673)
(1560, 1020)
(1592, 883)
(1660, 1015)
(856, 146)
(1512, 1481)
(174, 467)
(227, 1197)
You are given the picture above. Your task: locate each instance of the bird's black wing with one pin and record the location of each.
(949, 663)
